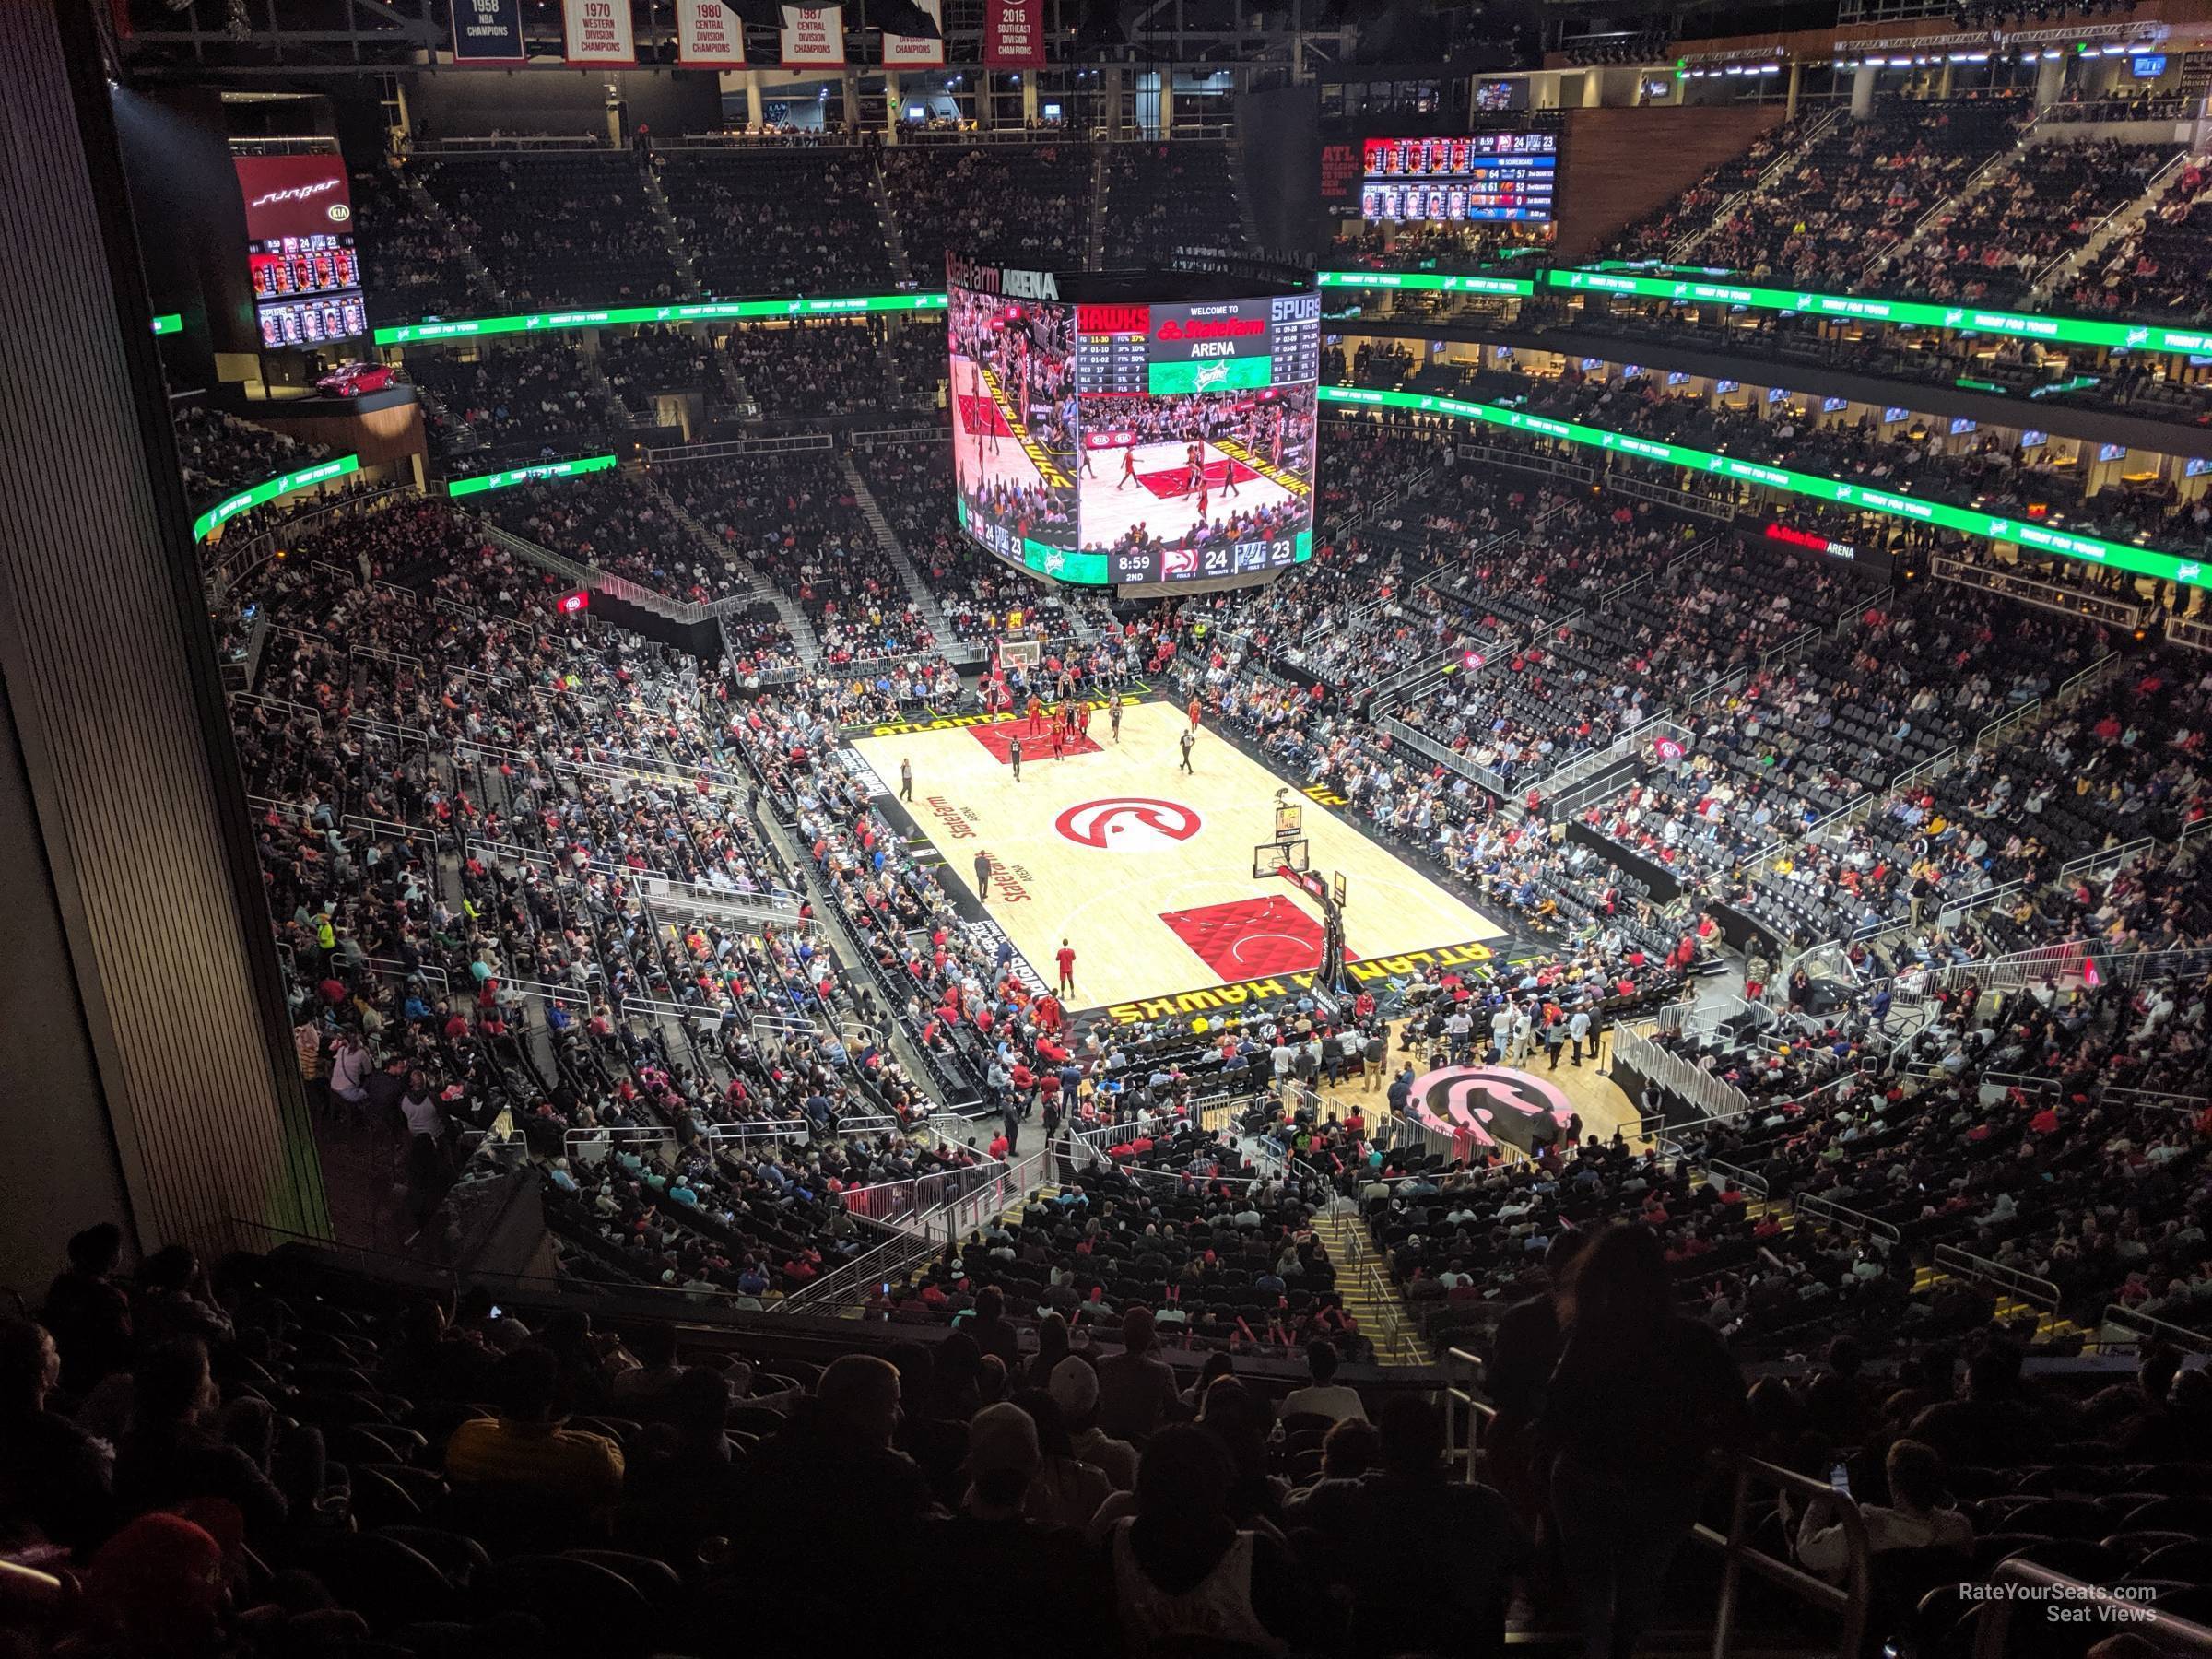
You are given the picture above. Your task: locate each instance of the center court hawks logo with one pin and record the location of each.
(1493, 1103)
(1128, 824)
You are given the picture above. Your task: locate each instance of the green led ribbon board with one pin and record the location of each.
(529, 474)
(1427, 281)
(2117, 556)
(285, 484)
(1965, 319)
(462, 328)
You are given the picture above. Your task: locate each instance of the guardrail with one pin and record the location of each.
(2192, 632)
(1993, 1614)
(2038, 1293)
(1843, 1215)
(1714, 1097)
(1844, 1606)
(2145, 1327)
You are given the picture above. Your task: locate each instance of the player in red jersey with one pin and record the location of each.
(1196, 455)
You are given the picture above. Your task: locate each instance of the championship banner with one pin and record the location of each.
(488, 31)
(917, 52)
(598, 31)
(1013, 35)
(709, 35)
(814, 36)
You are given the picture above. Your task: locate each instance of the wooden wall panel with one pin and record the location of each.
(1621, 163)
(111, 681)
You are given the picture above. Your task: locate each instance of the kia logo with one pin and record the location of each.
(1128, 824)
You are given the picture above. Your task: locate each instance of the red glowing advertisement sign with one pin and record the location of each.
(570, 604)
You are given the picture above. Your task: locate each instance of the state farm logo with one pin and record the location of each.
(296, 193)
(1128, 824)
(1229, 328)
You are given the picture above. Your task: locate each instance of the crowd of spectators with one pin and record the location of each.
(808, 371)
(2044, 203)
(557, 228)
(655, 360)
(1024, 204)
(1854, 194)
(1919, 456)
(410, 268)
(221, 454)
(2162, 266)
(526, 400)
(775, 222)
(1159, 199)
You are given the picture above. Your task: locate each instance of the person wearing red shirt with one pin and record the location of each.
(1066, 957)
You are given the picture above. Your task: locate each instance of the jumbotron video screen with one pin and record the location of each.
(1130, 441)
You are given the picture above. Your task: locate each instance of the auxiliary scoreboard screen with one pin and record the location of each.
(1479, 178)
(1134, 441)
(300, 252)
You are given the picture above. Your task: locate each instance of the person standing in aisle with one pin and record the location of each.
(1578, 1027)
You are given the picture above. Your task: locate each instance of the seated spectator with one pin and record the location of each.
(526, 1445)
(1324, 1396)
(172, 1456)
(1183, 1570)
(1918, 1515)
(1136, 1387)
(52, 1473)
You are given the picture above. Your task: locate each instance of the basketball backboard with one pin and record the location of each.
(1275, 856)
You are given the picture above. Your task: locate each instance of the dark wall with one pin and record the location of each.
(51, 1106)
(1280, 134)
(146, 911)
(191, 224)
(472, 103)
(1619, 164)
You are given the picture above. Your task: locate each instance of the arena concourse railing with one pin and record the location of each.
(1711, 1095)
(2138, 1328)
(2040, 1294)
(1844, 1216)
(1740, 1480)
(2017, 1582)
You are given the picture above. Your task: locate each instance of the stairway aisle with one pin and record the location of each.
(887, 539)
(672, 235)
(1383, 1317)
(762, 590)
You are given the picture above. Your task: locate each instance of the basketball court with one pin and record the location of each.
(990, 447)
(1148, 873)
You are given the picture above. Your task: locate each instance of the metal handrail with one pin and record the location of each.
(1992, 1625)
(1848, 1604)
(2036, 1292)
(1827, 1210)
(2144, 1324)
